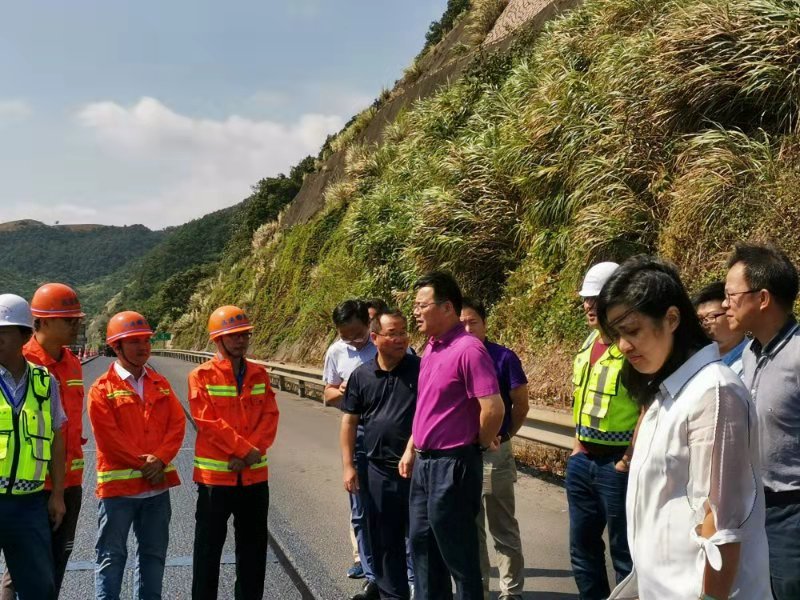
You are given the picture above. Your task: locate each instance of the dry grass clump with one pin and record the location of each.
(482, 17)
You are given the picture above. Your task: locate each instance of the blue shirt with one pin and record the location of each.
(19, 388)
(734, 356)
(509, 375)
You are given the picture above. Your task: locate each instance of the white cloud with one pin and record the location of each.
(14, 110)
(202, 164)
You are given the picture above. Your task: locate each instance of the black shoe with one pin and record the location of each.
(369, 592)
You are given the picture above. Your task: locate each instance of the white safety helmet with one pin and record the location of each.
(596, 278)
(14, 311)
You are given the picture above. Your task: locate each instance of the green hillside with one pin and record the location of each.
(624, 127)
(160, 283)
(75, 254)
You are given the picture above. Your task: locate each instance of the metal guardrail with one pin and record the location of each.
(543, 426)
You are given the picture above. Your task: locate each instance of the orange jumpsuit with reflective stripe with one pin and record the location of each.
(126, 427)
(69, 375)
(231, 423)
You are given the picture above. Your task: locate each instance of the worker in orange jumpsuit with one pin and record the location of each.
(138, 425)
(57, 319)
(237, 417)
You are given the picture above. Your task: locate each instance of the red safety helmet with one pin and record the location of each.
(54, 300)
(127, 324)
(226, 320)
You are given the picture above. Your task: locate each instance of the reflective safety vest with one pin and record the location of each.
(26, 437)
(603, 410)
(69, 375)
(231, 423)
(126, 427)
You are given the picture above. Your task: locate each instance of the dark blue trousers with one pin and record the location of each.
(387, 523)
(444, 505)
(783, 530)
(596, 496)
(25, 540)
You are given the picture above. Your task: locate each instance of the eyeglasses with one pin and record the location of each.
(711, 318)
(401, 335)
(423, 305)
(729, 295)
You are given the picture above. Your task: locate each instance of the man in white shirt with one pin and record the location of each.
(353, 348)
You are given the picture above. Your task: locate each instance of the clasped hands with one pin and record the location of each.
(237, 465)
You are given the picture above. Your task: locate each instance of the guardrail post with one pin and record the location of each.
(281, 383)
(301, 389)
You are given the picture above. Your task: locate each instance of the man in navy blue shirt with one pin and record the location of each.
(499, 469)
(382, 395)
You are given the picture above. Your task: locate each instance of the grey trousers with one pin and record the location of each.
(497, 511)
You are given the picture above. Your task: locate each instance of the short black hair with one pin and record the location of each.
(713, 292)
(475, 305)
(445, 288)
(378, 304)
(375, 324)
(349, 310)
(651, 286)
(768, 268)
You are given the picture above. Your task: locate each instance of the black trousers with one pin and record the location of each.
(249, 506)
(62, 539)
(443, 509)
(387, 524)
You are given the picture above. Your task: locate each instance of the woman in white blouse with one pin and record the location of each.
(695, 504)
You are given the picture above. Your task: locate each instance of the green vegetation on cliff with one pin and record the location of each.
(626, 126)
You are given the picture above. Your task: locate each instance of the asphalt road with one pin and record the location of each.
(309, 514)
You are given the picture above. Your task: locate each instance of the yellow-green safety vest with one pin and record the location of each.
(602, 408)
(26, 437)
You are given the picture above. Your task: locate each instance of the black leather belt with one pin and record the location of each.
(776, 499)
(448, 452)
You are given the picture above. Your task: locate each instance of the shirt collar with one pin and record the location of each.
(773, 346)
(448, 336)
(6, 374)
(42, 357)
(673, 384)
(354, 349)
(125, 374)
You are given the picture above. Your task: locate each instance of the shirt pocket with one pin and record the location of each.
(6, 430)
(601, 388)
(37, 429)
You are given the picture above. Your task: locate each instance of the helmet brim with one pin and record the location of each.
(229, 330)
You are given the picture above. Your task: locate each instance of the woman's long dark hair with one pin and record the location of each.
(650, 286)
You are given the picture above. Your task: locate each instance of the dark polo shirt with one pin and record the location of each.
(385, 401)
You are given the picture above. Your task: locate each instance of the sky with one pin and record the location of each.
(160, 112)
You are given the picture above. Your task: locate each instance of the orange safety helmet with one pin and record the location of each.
(127, 324)
(54, 300)
(226, 320)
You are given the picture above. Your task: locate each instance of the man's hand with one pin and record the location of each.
(343, 388)
(407, 463)
(252, 457)
(350, 477)
(153, 469)
(236, 465)
(56, 509)
(495, 445)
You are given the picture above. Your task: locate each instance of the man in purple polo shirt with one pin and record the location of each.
(459, 414)
(499, 468)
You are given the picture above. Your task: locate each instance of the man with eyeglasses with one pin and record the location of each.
(381, 395)
(458, 416)
(761, 289)
(57, 317)
(353, 348)
(605, 417)
(708, 304)
(236, 415)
